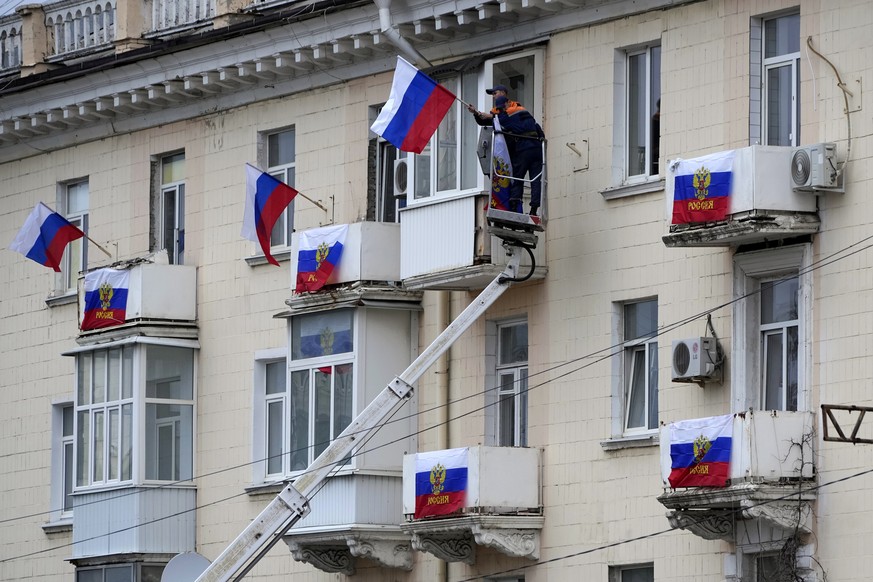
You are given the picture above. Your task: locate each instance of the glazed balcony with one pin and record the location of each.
(771, 479)
(501, 513)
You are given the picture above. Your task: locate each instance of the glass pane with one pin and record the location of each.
(636, 402)
(322, 334)
(127, 373)
(299, 421)
(82, 448)
(169, 441)
(773, 371)
(281, 148)
(74, 259)
(791, 370)
(168, 222)
(275, 377)
(173, 168)
(277, 236)
(768, 570)
(640, 319)
(68, 476)
(68, 420)
(322, 378)
(342, 401)
(84, 390)
(151, 573)
(779, 300)
(779, 105)
(655, 106)
(469, 133)
(447, 145)
(638, 575)
(77, 198)
(119, 574)
(274, 437)
(169, 372)
(513, 344)
(421, 185)
(517, 75)
(653, 386)
(114, 442)
(506, 420)
(98, 445)
(126, 440)
(782, 36)
(636, 114)
(99, 377)
(89, 576)
(522, 408)
(114, 385)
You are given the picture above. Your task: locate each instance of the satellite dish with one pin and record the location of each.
(184, 567)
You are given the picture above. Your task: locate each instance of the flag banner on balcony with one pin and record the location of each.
(105, 298)
(44, 237)
(319, 254)
(326, 333)
(702, 188)
(266, 200)
(700, 451)
(440, 482)
(501, 170)
(415, 108)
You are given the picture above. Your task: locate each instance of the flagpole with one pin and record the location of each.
(299, 193)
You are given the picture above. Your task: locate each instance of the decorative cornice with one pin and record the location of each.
(455, 539)
(333, 559)
(337, 551)
(709, 525)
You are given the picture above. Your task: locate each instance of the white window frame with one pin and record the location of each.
(260, 405)
(423, 168)
(63, 446)
(517, 390)
(750, 270)
(69, 276)
(138, 403)
(633, 348)
(135, 569)
(284, 172)
(652, 95)
(176, 188)
(759, 86)
(390, 196)
(616, 573)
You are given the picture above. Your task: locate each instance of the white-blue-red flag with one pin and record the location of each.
(44, 237)
(700, 451)
(266, 200)
(702, 188)
(415, 107)
(441, 482)
(501, 170)
(105, 298)
(318, 255)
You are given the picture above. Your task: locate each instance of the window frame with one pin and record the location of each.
(68, 279)
(647, 344)
(135, 569)
(63, 477)
(751, 268)
(162, 190)
(652, 94)
(423, 184)
(759, 65)
(616, 573)
(518, 390)
(285, 172)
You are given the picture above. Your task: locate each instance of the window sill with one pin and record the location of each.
(61, 526)
(627, 190)
(254, 261)
(65, 299)
(630, 442)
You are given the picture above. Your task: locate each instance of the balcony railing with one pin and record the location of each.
(170, 14)
(80, 26)
(10, 43)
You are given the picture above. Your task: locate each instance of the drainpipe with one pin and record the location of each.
(392, 34)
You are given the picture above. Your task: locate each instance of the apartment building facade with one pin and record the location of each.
(127, 445)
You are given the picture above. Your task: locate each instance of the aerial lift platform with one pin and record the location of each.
(516, 231)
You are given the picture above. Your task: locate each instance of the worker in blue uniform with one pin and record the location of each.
(524, 139)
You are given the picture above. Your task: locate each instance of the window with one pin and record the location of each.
(62, 461)
(770, 317)
(643, 86)
(632, 574)
(640, 366)
(121, 573)
(391, 179)
(512, 384)
(281, 164)
(775, 91)
(449, 164)
(108, 402)
(168, 205)
(74, 205)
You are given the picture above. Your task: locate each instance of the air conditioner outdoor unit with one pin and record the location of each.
(814, 167)
(402, 176)
(694, 359)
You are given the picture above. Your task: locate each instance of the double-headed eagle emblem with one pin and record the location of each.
(702, 178)
(438, 478)
(106, 293)
(701, 447)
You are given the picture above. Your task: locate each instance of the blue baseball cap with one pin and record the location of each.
(497, 88)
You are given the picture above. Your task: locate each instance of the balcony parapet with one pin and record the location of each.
(337, 552)
(455, 539)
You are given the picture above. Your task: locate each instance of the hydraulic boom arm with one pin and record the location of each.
(292, 503)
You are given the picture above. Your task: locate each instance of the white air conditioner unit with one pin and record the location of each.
(814, 167)
(694, 359)
(402, 176)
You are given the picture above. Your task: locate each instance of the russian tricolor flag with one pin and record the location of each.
(414, 110)
(105, 298)
(440, 482)
(44, 237)
(319, 253)
(266, 200)
(702, 188)
(501, 170)
(700, 451)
